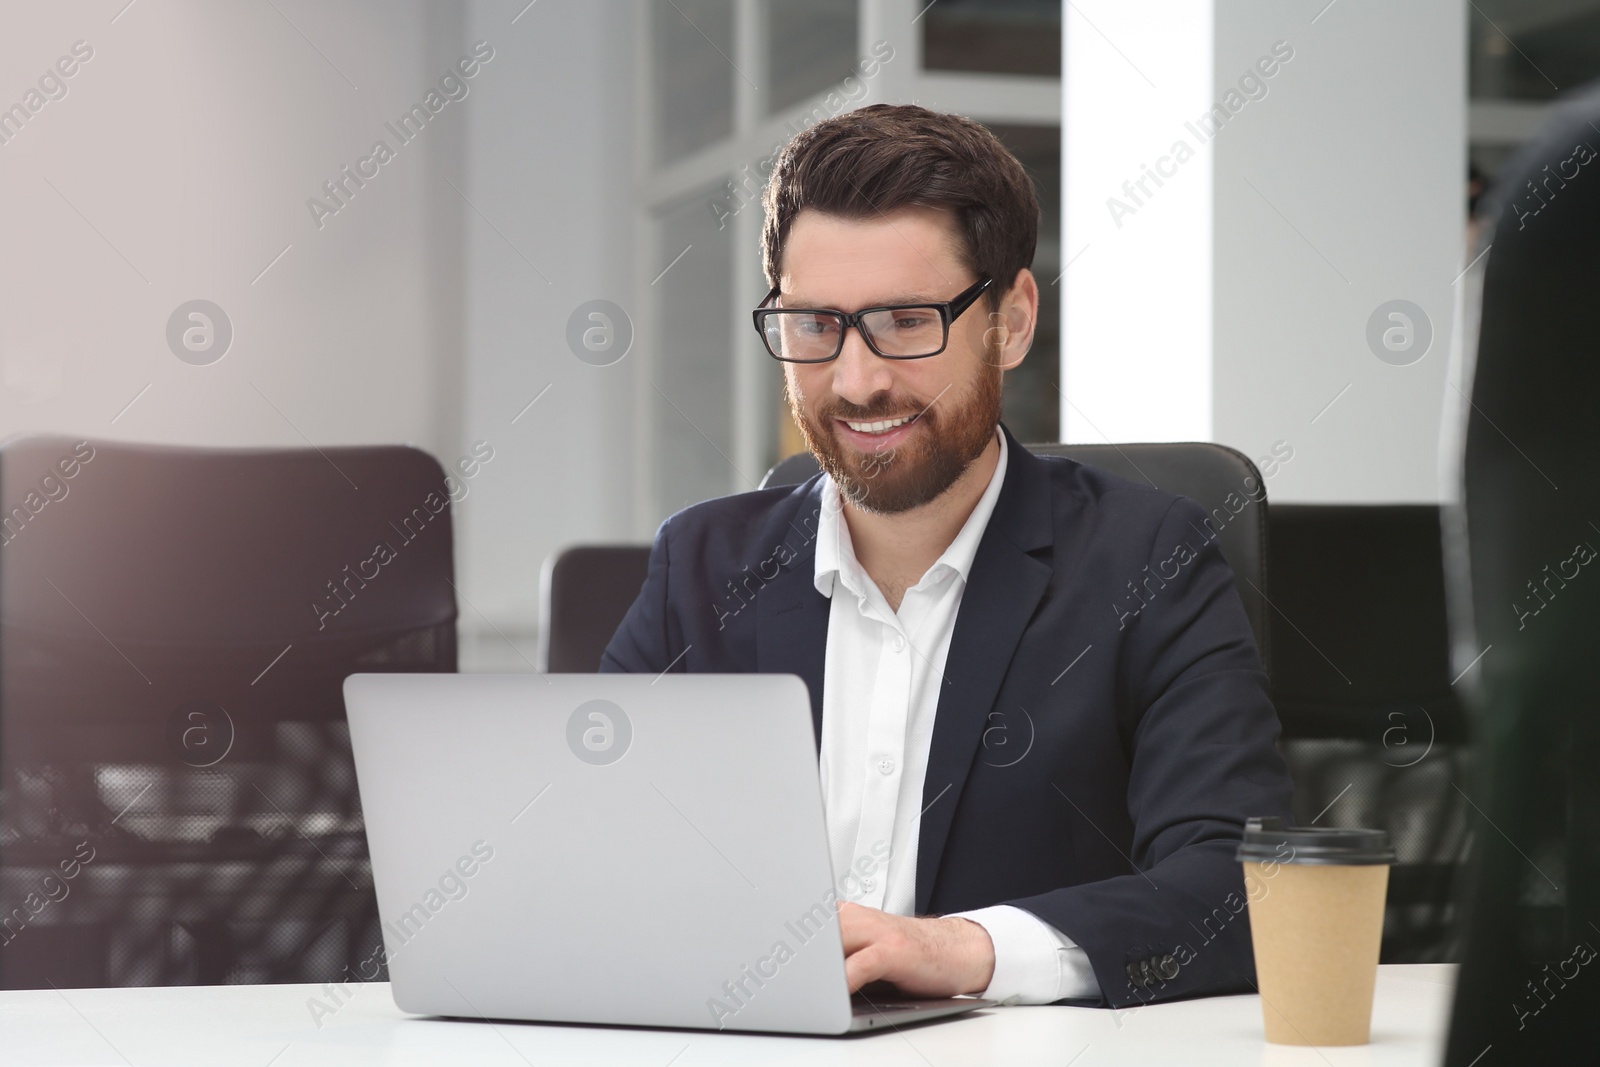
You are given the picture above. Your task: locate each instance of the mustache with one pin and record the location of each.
(877, 411)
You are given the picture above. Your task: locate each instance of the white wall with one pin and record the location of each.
(1338, 190)
(178, 166)
(1362, 149)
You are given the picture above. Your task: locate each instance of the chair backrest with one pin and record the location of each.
(1373, 730)
(175, 628)
(588, 588)
(1206, 473)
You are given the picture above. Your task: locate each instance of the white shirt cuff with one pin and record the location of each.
(1034, 963)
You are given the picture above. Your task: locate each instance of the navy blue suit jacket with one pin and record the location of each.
(1104, 728)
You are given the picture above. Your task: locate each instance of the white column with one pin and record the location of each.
(1137, 221)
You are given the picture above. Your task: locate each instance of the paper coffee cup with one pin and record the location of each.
(1316, 919)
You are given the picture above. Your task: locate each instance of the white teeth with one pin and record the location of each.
(877, 427)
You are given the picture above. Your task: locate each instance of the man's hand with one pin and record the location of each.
(928, 957)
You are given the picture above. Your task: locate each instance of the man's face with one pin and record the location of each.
(952, 399)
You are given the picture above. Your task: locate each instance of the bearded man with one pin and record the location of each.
(937, 583)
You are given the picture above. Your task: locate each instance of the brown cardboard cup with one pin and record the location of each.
(1316, 919)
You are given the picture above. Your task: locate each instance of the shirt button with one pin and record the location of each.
(886, 766)
(868, 884)
(899, 643)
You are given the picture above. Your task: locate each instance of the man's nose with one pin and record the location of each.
(859, 373)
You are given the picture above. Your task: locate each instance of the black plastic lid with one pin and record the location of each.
(1269, 841)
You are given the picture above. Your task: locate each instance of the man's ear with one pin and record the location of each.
(1010, 332)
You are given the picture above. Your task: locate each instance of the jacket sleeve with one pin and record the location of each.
(642, 638)
(1194, 709)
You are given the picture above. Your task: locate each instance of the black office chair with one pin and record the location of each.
(588, 589)
(1372, 728)
(585, 592)
(1526, 599)
(176, 785)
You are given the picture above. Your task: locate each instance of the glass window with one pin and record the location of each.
(993, 36)
(1032, 403)
(1520, 54)
(693, 375)
(693, 45)
(811, 47)
(1532, 49)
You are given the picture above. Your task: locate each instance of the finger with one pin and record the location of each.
(867, 965)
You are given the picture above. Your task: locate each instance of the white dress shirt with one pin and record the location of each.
(880, 693)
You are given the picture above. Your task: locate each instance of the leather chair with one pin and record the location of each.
(1373, 730)
(178, 802)
(585, 592)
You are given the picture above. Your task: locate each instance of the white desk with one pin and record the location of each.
(262, 1025)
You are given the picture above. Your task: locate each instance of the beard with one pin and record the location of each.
(941, 444)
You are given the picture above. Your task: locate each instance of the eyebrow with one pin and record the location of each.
(890, 301)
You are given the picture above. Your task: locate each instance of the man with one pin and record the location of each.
(1058, 771)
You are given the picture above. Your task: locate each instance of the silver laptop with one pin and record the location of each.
(617, 849)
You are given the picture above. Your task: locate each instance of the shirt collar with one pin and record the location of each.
(836, 557)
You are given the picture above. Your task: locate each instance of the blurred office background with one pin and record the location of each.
(613, 151)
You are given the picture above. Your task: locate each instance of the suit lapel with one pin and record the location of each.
(1003, 590)
(791, 616)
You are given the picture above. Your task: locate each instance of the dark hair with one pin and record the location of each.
(883, 157)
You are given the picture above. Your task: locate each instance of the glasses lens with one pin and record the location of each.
(802, 335)
(915, 331)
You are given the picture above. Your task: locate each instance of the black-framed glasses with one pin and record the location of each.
(895, 331)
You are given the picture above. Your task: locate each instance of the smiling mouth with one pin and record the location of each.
(879, 426)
